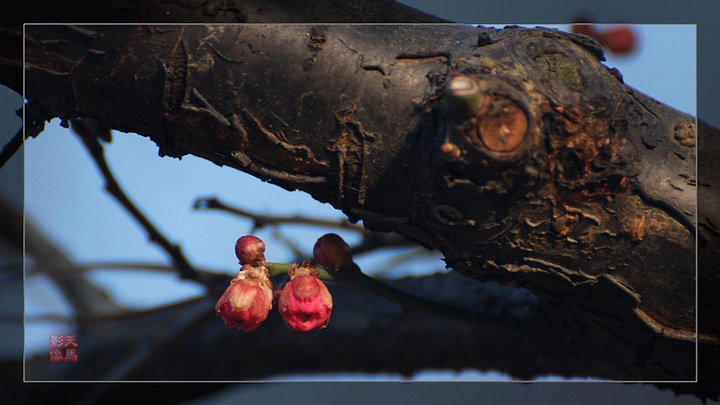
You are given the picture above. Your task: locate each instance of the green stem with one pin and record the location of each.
(410, 302)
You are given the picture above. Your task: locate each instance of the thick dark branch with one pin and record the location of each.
(180, 11)
(541, 169)
(368, 334)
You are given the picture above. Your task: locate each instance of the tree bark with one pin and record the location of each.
(564, 180)
(708, 231)
(186, 11)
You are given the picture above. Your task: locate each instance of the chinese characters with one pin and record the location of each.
(60, 342)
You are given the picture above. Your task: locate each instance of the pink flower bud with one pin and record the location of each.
(332, 252)
(249, 250)
(247, 301)
(619, 40)
(304, 301)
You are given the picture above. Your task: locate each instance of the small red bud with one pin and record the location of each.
(332, 252)
(304, 302)
(619, 40)
(249, 250)
(247, 301)
(585, 29)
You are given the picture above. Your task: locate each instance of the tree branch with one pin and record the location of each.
(370, 242)
(260, 221)
(369, 334)
(413, 303)
(184, 267)
(514, 152)
(11, 147)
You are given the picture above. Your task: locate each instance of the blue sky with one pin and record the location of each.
(64, 197)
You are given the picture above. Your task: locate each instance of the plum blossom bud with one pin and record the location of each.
(620, 40)
(332, 252)
(247, 301)
(304, 301)
(249, 250)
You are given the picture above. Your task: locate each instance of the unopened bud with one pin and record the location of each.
(247, 301)
(304, 302)
(620, 40)
(249, 250)
(332, 252)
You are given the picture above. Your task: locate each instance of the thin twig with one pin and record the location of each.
(10, 148)
(104, 317)
(410, 302)
(299, 255)
(261, 221)
(61, 270)
(371, 241)
(216, 281)
(398, 259)
(34, 123)
(143, 355)
(111, 185)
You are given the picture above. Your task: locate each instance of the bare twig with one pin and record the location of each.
(299, 255)
(355, 278)
(61, 270)
(33, 125)
(185, 269)
(371, 241)
(10, 148)
(260, 221)
(398, 259)
(410, 302)
(103, 317)
(149, 351)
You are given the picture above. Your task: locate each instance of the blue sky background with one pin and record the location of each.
(64, 197)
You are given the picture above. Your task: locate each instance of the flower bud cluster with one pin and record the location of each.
(247, 301)
(303, 301)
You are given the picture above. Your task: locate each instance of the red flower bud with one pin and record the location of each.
(332, 252)
(247, 301)
(304, 301)
(249, 250)
(585, 29)
(619, 40)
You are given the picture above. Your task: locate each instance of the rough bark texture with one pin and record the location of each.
(219, 11)
(566, 218)
(563, 180)
(14, 13)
